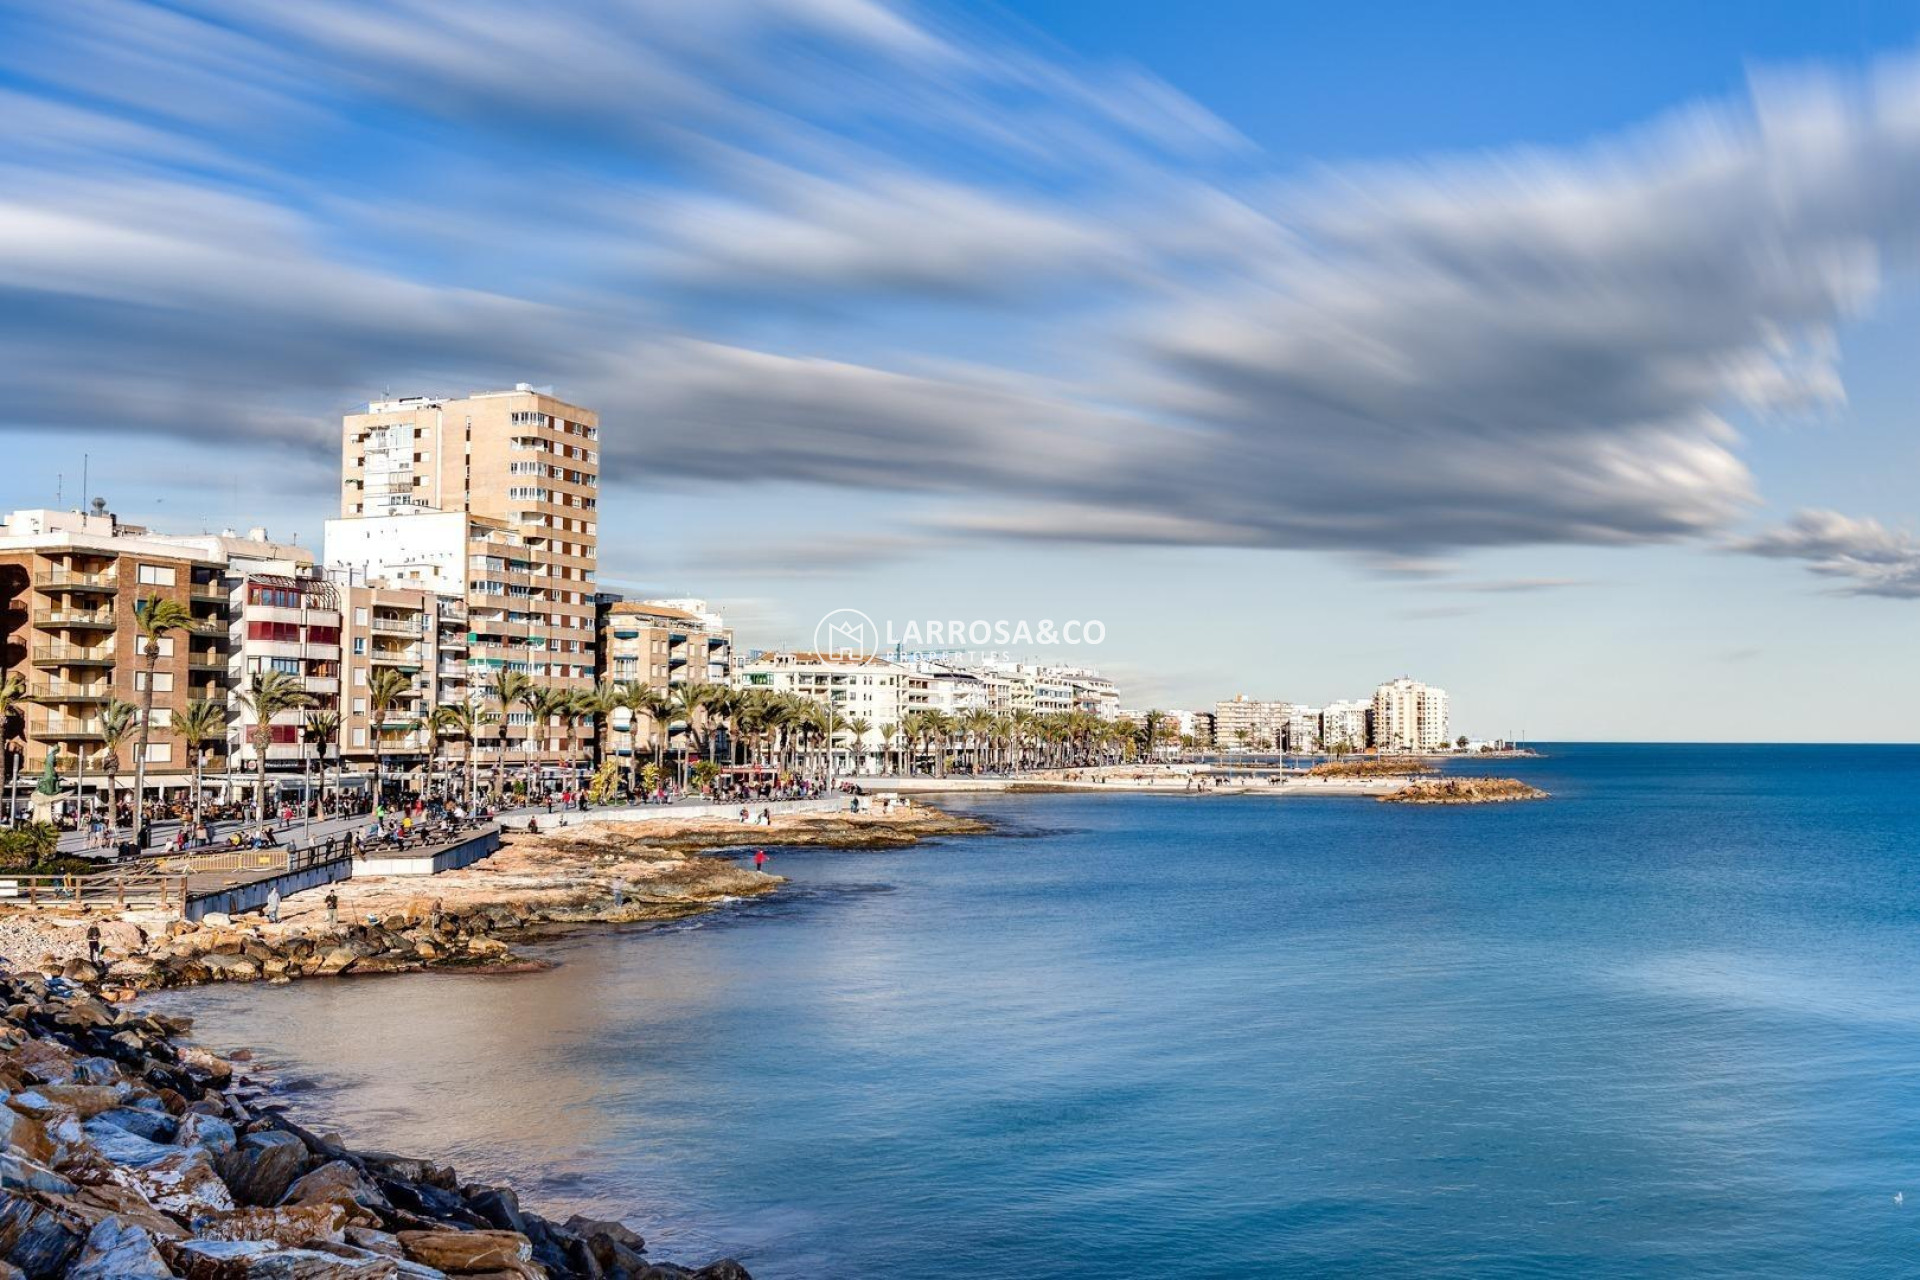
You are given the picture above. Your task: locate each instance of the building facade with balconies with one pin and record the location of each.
(70, 585)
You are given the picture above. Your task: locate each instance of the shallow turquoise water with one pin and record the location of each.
(1666, 1024)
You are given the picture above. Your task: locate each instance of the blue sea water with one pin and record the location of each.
(1665, 1024)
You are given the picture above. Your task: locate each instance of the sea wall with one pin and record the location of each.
(253, 896)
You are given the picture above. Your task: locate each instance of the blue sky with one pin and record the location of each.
(1560, 355)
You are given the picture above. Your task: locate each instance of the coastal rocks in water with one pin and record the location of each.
(1464, 791)
(263, 1166)
(291, 1226)
(261, 1260)
(184, 1183)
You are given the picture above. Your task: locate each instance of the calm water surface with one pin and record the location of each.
(1665, 1024)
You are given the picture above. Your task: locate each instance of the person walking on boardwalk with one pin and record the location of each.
(333, 908)
(273, 906)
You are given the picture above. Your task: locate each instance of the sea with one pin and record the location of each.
(1666, 1023)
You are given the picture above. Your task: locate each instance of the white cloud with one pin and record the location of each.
(1862, 556)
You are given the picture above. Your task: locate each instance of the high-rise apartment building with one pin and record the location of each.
(1343, 725)
(1409, 716)
(491, 499)
(662, 644)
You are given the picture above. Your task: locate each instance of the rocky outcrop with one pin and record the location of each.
(1464, 791)
(128, 1155)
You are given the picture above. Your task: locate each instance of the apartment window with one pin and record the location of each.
(156, 575)
(162, 717)
(359, 706)
(159, 752)
(360, 676)
(162, 681)
(359, 617)
(360, 642)
(286, 666)
(166, 647)
(359, 737)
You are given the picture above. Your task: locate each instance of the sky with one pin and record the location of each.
(1559, 355)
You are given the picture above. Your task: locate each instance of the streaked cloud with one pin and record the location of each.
(847, 243)
(1861, 557)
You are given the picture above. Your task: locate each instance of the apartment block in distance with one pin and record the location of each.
(661, 644)
(1409, 716)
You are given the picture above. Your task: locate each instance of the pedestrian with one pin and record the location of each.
(93, 943)
(273, 906)
(759, 859)
(333, 908)
(619, 893)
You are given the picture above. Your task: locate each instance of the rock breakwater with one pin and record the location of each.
(1464, 791)
(129, 1154)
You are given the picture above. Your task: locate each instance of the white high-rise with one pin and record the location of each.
(1409, 716)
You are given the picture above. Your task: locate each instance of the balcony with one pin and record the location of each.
(210, 626)
(54, 619)
(56, 693)
(397, 626)
(73, 580)
(208, 661)
(68, 731)
(71, 655)
(209, 591)
(395, 658)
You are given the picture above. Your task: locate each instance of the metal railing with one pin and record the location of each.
(73, 618)
(103, 655)
(108, 581)
(100, 692)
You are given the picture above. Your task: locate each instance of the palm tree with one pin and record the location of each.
(543, 704)
(387, 688)
(1150, 724)
(320, 729)
(978, 725)
(13, 694)
(886, 746)
(118, 721)
(463, 720)
(267, 695)
(506, 688)
(157, 618)
(197, 725)
(859, 727)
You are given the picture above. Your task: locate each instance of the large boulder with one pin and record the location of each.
(118, 1250)
(122, 936)
(18, 1173)
(39, 1240)
(84, 1100)
(260, 1260)
(339, 1183)
(124, 1147)
(154, 1126)
(26, 1135)
(185, 1183)
(291, 1226)
(469, 1252)
(211, 1132)
(264, 1165)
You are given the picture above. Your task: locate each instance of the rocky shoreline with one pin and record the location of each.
(1464, 791)
(130, 1155)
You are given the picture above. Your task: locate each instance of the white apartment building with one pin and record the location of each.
(1343, 725)
(1251, 723)
(1302, 728)
(1409, 716)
